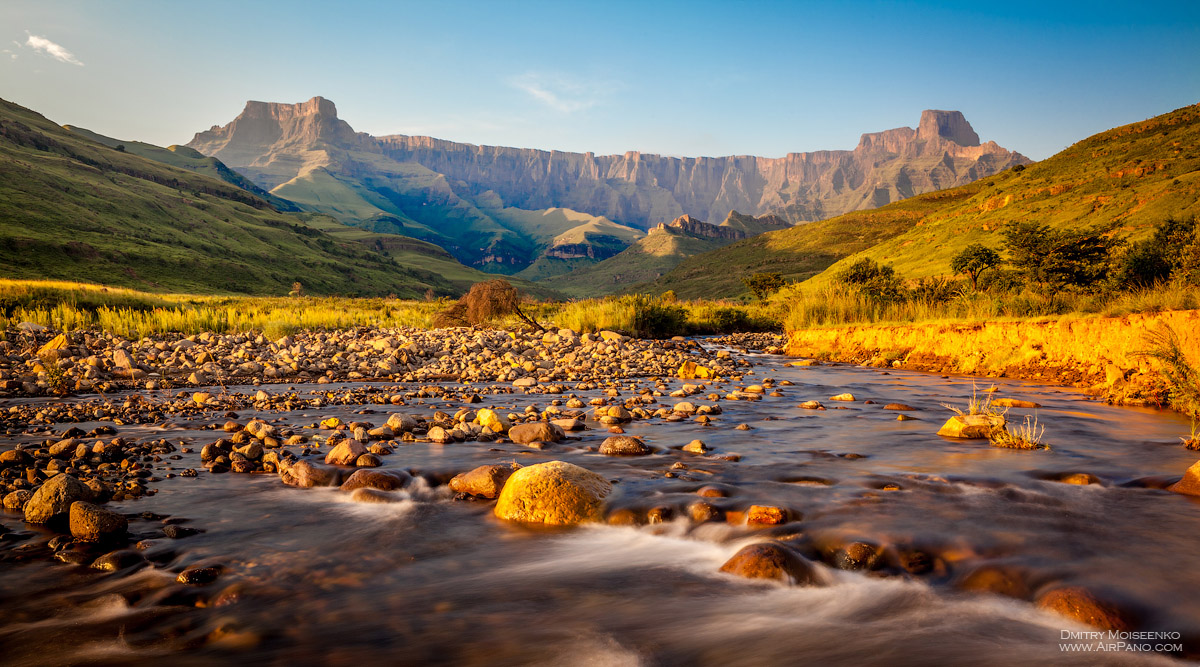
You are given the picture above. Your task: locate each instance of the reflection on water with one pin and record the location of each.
(312, 578)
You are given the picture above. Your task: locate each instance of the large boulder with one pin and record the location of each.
(555, 493)
(484, 481)
(1190, 484)
(1086, 607)
(535, 432)
(971, 427)
(624, 445)
(306, 474)
(346, 453)
(91, 523)
(771, 560)
(384, 480)
(53, 498)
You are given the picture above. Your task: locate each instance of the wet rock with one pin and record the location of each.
(766, 515)
(703, 512)
(555, 493)
(345, 453)
(306, 474)
(374, 496)
(383, 480)
(696, 447)
(1086, 607)
(1015, 403)
(624, 445)
(1190, 484)
(16, 500)
(368, 461)
(811, 405)
(771, 560)
(899, 407)
(53, 498)
(843, 397)
(524, 434)
(90, 523)
(569, 424)
(712, 491)
(200, 576)
(118, 560)
(971, 427)
(177, 532)
(485, 481)
(492, 420)
(997, 580)
(856, 556)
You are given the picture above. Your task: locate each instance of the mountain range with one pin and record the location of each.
(1134, 176)
(515, 211)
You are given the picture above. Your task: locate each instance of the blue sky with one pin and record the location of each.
(680, 78)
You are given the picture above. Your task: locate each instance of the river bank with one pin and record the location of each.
(1097, 354)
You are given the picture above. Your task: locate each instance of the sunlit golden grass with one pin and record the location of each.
(838, 305)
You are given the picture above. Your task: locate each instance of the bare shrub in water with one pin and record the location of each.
(1026, 436)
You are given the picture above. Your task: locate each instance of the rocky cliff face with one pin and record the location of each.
(272, 143)
(641, 189)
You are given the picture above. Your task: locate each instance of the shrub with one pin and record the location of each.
(877, 282)
(1057, 258)
(974, 260)
(763, 285)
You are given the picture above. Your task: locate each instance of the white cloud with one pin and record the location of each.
(562, 93)
(51, 49)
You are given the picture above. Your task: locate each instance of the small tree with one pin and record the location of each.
(974, 260)
(763, 285)
(1057, 258)
(297, 289)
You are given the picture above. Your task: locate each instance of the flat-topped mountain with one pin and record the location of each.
(476, 201)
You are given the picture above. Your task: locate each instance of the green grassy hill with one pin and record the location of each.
(75, 209)
(1135, 175)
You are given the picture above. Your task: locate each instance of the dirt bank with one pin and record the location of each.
(1098, 354)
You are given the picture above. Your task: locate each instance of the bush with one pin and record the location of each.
(763, 285)
(1058, 258)
(877, 282)
(654, 319)
(1169, 253)
(974, 260)
(484, 303)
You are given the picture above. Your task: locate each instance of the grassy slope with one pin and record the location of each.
(185, 158)
(643, 261)
(1136, 174)
(74, 209)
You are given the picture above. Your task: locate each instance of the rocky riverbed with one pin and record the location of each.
(600, 495)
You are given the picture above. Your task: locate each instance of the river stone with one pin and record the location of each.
(17, 499)
(493, 420)
(770, 560)
(118, 560)
(199, 576)
(1190, 484)
(554, 493)
(383, 480)
(90, 523)
(624, 445)
(368, 461)
(54, 498)
(971, 427)
(401, 423)
(995, 579)
(375, 496)
(535, 432)
(306, 474)
(345, 453)
(766, 515)
(1015, 403)
(843, 397)
(811, 405)
(484, 481)
(1082, 605)
(569, 424)
(899, 406)
(696, 447)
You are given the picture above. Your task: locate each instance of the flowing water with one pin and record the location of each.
(312, 578)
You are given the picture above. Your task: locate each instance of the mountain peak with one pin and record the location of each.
(276, 110)
(950, 125)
